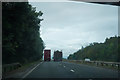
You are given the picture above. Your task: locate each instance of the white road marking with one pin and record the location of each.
(90, 79)
(30, 71)
(64, 66)
(72, 70)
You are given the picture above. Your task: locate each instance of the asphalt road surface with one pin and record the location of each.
(69, 70)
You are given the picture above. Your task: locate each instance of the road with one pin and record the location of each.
(69, 70)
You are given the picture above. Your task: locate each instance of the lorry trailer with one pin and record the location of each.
(57, 55)
(47, 55)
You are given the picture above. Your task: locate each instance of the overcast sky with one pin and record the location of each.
(68, 26)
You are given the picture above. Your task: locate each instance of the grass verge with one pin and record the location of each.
(23, 68)
(93, 64)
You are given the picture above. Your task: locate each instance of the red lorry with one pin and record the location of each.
(47, 55)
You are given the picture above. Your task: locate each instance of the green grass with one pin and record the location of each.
(93, 64)
(23, 67)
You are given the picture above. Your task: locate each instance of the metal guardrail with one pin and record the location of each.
(99, 63)
(10, 67)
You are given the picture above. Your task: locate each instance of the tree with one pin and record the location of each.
(21, 38)
(107, 51)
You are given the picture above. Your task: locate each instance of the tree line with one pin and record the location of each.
(107, 51)
(21, 41)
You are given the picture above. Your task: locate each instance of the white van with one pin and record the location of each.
(86, 59)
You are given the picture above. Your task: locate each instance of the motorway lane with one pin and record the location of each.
(70, 70)
(86, 71)
(51, 70)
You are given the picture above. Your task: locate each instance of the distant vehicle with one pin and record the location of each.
(57, 55)
(47, 55)
(87, 60)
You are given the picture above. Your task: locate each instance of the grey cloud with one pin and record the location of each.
(69, 26)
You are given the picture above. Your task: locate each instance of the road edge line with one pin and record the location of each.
(31, 70)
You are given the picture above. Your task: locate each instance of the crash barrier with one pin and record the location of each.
(10, 67)
(98, 63)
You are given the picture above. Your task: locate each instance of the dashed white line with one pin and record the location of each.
(72, 70)
(89, 79)
(64, 66)
(30, 71)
